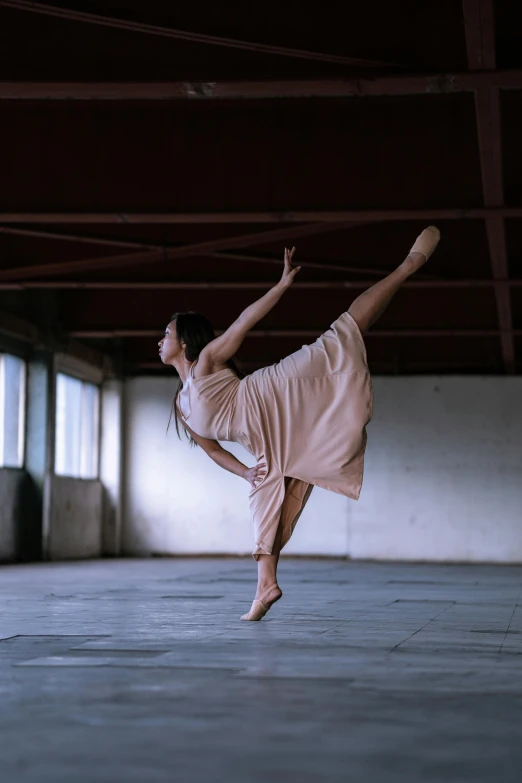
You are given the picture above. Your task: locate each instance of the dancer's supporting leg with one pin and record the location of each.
(268, 591)
(371, 304)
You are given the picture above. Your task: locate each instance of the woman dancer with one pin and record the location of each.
(303, 419)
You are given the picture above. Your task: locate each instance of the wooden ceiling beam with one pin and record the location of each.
(429, 84)
(248, 285)
(297, 333)
(269, 216)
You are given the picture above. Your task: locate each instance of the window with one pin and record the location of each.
(12, 411)
(77, 417)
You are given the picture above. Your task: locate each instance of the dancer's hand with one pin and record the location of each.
(289, 271)
(256, 474)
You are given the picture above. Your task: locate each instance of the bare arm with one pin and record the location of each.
(226, 460)
(226, 345)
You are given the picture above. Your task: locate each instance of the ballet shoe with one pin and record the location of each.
(426, 242)
(259, 607)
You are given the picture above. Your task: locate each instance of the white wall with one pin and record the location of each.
(176, 500)
(11, 482)
(443, 472)
(75, 517)
(443, 479)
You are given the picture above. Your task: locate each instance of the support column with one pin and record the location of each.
(111, 464)
(33, 534)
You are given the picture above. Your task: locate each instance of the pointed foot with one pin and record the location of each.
(426, 242)
(261, 605)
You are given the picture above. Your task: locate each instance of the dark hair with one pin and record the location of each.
(196, 332)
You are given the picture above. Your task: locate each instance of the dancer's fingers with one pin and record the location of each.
(289, 256)
(260, 473)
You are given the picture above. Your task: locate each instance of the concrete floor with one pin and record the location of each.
(139, 671)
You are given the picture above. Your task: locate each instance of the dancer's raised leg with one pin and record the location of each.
(268, 591)
(371, 304)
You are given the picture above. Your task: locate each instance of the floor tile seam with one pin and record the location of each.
(509, 624)
(424, 626)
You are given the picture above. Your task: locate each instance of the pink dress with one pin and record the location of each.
(305, 417)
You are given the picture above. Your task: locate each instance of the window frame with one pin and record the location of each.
(22, 422)
(65, 369)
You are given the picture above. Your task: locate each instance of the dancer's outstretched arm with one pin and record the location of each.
(227, 344)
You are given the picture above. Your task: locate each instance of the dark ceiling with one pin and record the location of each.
(158, 157)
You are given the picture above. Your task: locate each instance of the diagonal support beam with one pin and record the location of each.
(185, 251)
(496, 233)
(480, 42)
(306, 264)
(479, 28)
(84, 239)
(184, 35)
(249, 285)
(96, 240)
